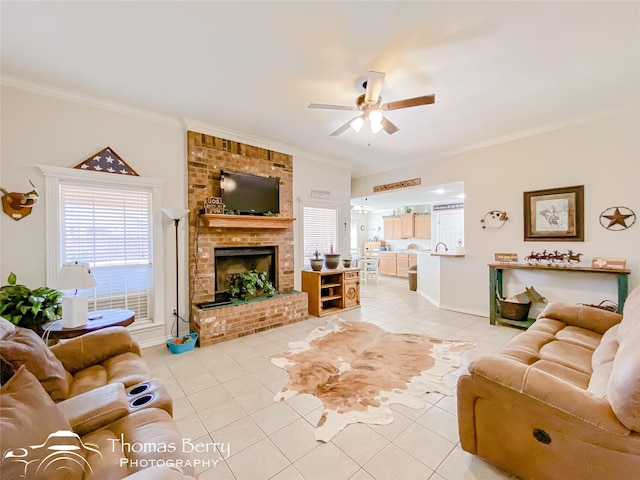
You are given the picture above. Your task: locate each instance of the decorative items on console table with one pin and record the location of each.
(75, 308)
(346, 262)
(176, 214)
(316, 262)
(331, 260)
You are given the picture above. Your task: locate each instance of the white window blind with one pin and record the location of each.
(320, 230)
(111, 229)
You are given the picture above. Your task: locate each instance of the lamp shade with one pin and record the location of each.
(175, 213)
(75, 276)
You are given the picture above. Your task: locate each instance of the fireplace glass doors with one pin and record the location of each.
(241, 259)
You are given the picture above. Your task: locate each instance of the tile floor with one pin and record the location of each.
(224, 393)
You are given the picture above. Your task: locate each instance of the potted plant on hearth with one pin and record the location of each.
(250, 284)
(29, 308)
(316, 262)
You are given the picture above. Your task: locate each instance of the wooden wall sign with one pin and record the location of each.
(609, 263)
(449, 206)
(506, 257)
(213, 205)
(394, 186)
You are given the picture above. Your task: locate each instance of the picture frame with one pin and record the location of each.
(555, 214)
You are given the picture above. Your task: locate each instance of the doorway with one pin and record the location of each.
(449, 228)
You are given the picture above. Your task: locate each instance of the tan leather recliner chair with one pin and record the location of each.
(560, 400)
(76, 365)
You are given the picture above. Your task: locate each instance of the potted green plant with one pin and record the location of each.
(316, 262)
(250, 284)
(29, 308)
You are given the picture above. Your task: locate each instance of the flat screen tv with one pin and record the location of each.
(249, 194)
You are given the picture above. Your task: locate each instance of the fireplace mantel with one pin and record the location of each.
(244, 221)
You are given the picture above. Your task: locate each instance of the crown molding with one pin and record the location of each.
(88, 100)
(551, 127)
(182, 123)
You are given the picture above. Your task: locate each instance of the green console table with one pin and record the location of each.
(495, 285)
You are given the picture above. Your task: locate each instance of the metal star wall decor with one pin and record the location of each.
(617, 218)
(108, 161)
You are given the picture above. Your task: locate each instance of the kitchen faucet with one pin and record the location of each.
(443, 244)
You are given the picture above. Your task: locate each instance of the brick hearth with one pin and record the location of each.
(207, 156)
(233, 321)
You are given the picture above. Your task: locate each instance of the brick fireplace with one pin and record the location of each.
(219, 248)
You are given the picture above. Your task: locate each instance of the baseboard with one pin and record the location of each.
(467, 311)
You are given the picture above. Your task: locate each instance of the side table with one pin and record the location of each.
(97, 320)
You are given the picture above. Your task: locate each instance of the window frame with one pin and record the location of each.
(55, 176)
(320, 205)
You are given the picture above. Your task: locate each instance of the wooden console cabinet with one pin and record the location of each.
(330, 291)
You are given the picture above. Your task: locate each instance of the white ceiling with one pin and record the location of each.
(498, 69)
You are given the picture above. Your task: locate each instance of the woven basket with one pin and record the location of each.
(514, 310)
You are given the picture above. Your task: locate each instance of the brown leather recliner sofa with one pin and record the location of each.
(72, 411)
(560, 400)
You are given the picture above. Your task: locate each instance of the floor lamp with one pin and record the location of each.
(176, 214)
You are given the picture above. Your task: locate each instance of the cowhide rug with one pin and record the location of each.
(357, 370)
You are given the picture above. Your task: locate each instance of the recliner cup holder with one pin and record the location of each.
(137, 390)
(143, 400)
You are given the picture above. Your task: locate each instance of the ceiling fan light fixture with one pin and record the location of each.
(375, 116)
(375, 119)
(357, 123)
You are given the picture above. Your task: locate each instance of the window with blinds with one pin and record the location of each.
(111, 229)
(319, 230)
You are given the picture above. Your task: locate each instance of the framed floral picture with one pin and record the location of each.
(556, 214)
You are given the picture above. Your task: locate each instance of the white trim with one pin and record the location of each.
(70, 96)
(550, 127)
(183, 123)
(466, 311)
(55, 175)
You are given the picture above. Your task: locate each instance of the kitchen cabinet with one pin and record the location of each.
(403, 262)
(407, 227)
(398, 227)
(422, 226)
(397, 264)
(392, 227)
(387, 264)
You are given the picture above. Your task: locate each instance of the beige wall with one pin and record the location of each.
(602, 154)
(44, 126)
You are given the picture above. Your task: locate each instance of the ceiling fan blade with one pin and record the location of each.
(388, 127)
(343, 128)
(374, 85)
(330, 107)
(409, 102)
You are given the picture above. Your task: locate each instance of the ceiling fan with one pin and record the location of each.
(370, 104)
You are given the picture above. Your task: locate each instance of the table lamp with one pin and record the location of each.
(75, 309)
